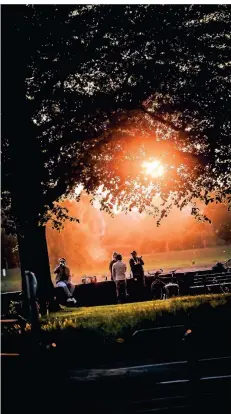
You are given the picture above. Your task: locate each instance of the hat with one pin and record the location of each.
(134, 252)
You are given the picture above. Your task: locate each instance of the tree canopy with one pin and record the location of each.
(91, 91)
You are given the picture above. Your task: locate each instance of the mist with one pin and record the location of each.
(88, 245)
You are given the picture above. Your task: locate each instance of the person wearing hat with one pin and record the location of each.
(63, 279)
(136, 265)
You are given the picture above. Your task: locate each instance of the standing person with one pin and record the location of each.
(136, 265)
(63, 279)
(119, 276)
(112, 262)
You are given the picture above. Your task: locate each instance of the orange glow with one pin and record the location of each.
(88, 245)
(116, 210)
(179, 241)
(154, 169)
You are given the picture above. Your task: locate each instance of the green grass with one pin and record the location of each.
(115, 321)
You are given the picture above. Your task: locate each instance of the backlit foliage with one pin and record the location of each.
(111, 86)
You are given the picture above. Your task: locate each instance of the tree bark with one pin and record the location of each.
(26, 161)
(34, 257)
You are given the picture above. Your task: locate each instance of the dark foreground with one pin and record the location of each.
(138, 389)
(173, 376)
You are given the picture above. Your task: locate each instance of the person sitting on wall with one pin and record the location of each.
(63, 279)
(119, 276)
(112, 262)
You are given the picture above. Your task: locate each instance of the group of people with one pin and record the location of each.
(118, 274)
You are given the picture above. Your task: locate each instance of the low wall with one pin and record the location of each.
(104, 293)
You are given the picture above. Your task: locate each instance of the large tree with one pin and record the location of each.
(89, 91)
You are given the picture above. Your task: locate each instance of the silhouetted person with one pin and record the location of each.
(63, 279)
(112, 262)
(136, 265)
(172, 288)
(119, 276)
(157, 286)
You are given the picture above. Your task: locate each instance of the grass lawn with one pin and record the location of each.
(103, 336)
(188, 259)
(120, 321)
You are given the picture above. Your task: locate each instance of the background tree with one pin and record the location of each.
(9, 251)
(75, 76)
(224, 232)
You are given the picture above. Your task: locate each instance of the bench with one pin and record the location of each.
(197, 282)
(211, 283)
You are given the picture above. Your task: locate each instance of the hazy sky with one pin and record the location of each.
(88, 245)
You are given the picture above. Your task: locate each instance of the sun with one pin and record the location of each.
(154, 169)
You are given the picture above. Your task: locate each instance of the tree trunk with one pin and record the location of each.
(34, 257)
(27, 174)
